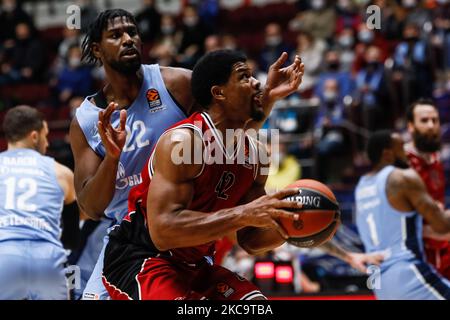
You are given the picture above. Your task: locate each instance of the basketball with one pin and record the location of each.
(319, 217)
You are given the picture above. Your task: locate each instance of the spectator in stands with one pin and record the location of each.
(371, 94)
(11, 14)
(229, 42)
(274, 46)
(168, 32)
(71, 37)
(328, 129)
(213, 42)
(148, 20)
(320, 20)
(345, 44)
(193, 34)
(311, 50)
(25, 61)
(88, 13)
(75, 79)
(416, 13)
(163, 54)
(366, 38)
(332, 71)
(412, 66)
(347, 15)
(441, 22)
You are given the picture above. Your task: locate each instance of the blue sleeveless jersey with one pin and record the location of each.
(381, 227)
(152, 112)
(31, 198)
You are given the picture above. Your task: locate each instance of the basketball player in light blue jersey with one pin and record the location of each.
(115, 130)
(390, 204)
(33, 190)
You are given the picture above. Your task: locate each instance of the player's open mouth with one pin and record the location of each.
(257, 99)
(130, 53)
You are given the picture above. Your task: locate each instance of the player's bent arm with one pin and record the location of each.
(95, 178)
(415, 191)
(178, 82)
(258, 240)
(66, 181)
(171, 224)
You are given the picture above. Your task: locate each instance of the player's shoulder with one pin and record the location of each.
(404, 178)
(173, 75)
(63, 170)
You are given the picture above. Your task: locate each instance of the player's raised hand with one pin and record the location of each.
(113, 138)
(264, 211)
(282, 82)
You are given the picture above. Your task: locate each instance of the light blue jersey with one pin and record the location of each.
(152, 112)
(404, 272)
(32, 257)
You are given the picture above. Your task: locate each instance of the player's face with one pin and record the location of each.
(243, 94)
(42, 142)
(400, 158)
(121, 45)
(426, 128)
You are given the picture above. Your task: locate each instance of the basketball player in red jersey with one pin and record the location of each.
(424, 157)
(164, 248)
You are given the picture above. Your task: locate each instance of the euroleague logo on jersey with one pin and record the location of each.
(154, 100)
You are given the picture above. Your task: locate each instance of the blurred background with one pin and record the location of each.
(356, 80)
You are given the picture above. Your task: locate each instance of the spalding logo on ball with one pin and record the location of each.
(319, 216)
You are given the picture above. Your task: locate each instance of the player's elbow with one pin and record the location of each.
(91, 213)
(161, 235)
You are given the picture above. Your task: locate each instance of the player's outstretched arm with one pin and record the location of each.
(359, 261)
(415, 192)
(172, 224)
(281, 82)
(95, 178)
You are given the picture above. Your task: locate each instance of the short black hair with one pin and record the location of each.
(96, 28)
(421, 101)
(213, 69)
(378, 141)
(20, 121)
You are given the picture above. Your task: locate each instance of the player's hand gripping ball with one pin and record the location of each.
(319, 217)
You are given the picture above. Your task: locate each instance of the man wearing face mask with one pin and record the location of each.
(424, 157)
(371, 93)
(328, 130)
(413, 66)
(274, 46)
(320, 20)
(193, 34)
(11, 14)
(148, 20)
(391, 203)
(25, 60)
(75, 79)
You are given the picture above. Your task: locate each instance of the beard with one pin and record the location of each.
(126, 67)
(402, 164)
(257, 115)
(425, 143)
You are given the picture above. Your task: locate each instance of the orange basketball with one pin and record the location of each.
(319, 217)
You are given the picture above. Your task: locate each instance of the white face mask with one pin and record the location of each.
(365, 36)
(330, 96)
(190, 21)
(442, 1)
(74, 62)
(346, 41)
(8, 7)
(273, 41)
(317, 4)
(409, 3)
(167, 29)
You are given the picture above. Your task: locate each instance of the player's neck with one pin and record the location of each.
(19, 145)
(122, 89)
(222, 122)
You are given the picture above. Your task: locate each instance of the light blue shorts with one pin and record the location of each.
(32, 270)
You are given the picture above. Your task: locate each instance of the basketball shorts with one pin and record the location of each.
(157, 278)
(32, 270)
(412, 280)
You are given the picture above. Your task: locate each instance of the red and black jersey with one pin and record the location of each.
(431, 172)
(223, 181)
